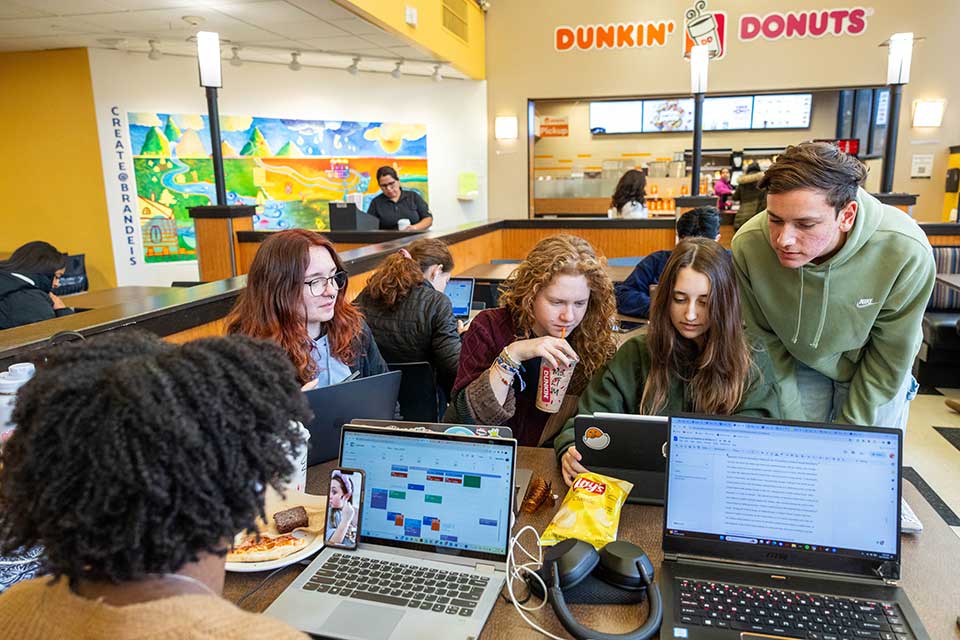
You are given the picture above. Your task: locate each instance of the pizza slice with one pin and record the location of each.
(266, 549)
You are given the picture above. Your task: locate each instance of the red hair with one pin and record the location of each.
(271, 306)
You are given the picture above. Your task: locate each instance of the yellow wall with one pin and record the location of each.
(51, 177)
(468, 57)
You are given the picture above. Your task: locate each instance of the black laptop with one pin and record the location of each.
(783, 529)
(338, 404)
(460, 292)
(628, 447)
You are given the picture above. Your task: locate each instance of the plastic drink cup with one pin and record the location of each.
(298, 481)
(552, 386)
(403, 223)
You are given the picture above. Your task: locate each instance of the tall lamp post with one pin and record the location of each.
(699, 62)
(208, 56)
(898, 74)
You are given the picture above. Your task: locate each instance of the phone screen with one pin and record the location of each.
(343, 508)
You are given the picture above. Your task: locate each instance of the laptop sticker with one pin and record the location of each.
(679, 632)
(595, 438)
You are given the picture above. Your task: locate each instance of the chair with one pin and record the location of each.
(935, 365)
(487, 292)
(420, 397)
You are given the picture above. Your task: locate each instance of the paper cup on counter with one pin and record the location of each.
(403, 223)
(298, 481)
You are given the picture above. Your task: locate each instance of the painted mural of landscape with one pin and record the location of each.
(289, 169)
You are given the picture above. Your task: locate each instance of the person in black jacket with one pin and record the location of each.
(296, 296)
(411, 319)
(26, 283)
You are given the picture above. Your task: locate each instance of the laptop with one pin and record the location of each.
(338, 404)
(460, 292)
(628, 447)
(783, 529)
(434, 534)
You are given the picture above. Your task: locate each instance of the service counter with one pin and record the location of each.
(184, 314)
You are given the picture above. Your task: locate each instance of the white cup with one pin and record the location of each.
(403, 223)
(298, 481)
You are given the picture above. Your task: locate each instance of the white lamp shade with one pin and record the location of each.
(928, 113)
(699, 64)
(505, 128)
(208, 55)
(898, 58)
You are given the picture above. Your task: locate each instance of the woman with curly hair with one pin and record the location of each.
(296, 296)
(694, 358)
(133, 465)
(408, 313)
(557, 307)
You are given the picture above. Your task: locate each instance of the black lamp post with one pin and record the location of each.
(699, 62)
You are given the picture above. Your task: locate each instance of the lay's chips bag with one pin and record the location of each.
(590, 511)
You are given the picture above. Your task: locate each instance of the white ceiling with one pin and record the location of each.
(265, 30)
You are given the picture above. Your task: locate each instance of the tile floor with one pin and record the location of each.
(934, 458)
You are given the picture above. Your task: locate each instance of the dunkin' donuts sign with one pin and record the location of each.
(709, 27)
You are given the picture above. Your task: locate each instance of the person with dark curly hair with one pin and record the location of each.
(133, 464)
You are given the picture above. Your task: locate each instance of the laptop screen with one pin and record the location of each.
(445, 493)
(460, 292)
(803, 489)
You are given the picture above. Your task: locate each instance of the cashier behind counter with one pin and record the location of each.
(396, 204)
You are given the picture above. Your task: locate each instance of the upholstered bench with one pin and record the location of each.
(938, 363)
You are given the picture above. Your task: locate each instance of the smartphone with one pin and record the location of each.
(626, 326)
(344, 502)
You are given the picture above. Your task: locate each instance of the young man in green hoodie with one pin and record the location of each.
(835, 284)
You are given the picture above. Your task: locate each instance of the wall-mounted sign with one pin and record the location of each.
(708, 28)
(804, 24)
(613, 36)
(921, 165)
(554, 126)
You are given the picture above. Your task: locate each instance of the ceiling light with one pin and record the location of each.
(113, 43)
(354, 67)
(295, 61)
(396, 73)
(193, 21)
(208, 58)
(236, 61)
(154, 54)
(436, 73)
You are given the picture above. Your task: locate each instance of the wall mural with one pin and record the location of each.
(289, 169)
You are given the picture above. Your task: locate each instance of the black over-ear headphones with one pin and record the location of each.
(620, 573)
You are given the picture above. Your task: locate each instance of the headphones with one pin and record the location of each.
(620, 573)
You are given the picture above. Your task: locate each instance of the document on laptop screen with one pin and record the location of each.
(796, 486)
(432, 491)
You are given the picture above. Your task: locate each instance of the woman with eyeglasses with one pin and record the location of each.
(296, 295)
(395, 204)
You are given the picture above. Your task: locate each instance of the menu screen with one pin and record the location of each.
(668, 115)
(784, 111)
(720, 114)
(623, 116)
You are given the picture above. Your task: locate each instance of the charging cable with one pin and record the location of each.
(524, 572)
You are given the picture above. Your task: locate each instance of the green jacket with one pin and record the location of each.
(617, 388)
(855, 318)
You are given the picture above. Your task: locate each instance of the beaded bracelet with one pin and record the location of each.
(509, 360)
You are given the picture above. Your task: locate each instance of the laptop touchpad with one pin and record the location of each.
(358, 620)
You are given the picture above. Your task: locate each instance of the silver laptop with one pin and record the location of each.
(434, 533)
(783, 529)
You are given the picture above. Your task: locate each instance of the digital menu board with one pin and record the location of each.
(662, 116)
(722, 114)
(623, 116)
(782, 111)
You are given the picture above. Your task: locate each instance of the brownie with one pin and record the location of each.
(290, 519)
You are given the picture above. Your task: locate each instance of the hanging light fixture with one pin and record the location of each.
(354, 67)
(154, 53)
(436, 73)
(396, 73)
(236, 61)
(295, 61)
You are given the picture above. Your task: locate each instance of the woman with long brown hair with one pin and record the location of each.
(408, 313)
(695, 356)
(557, 307)
(296, 296)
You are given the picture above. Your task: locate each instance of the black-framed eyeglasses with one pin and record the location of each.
(389, 185)
(319, 285)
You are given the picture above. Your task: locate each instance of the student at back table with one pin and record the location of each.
(694, 358)
(633, 294)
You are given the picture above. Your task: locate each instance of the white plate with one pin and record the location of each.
(251, 567)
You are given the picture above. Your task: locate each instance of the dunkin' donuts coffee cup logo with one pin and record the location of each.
(590, 486)
(702, 27)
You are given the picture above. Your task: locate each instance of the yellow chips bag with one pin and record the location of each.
(590, 511)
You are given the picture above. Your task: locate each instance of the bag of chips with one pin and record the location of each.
(590, 511)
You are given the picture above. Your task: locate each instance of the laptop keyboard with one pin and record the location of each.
(788, 613)
(404, 585)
